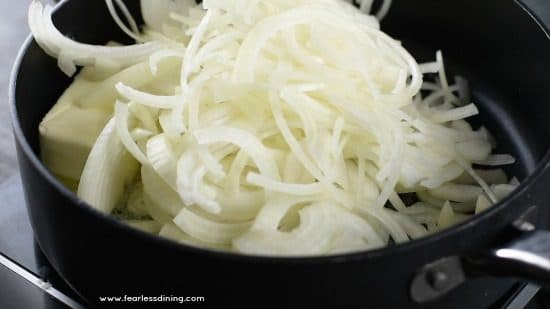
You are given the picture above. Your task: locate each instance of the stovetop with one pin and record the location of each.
(26, 278)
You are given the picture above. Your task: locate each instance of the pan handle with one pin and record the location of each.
(526, 257)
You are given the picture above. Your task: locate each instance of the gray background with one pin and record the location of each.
(13, 30)
(15, 240)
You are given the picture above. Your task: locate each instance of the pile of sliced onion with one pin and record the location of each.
(281, 127)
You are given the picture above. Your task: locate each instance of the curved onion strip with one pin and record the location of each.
(148, 99)
(282, 187)
(57, 43)
(246, 141)
(121, 119)
(108, 169)
(208, 230)
(134, 33)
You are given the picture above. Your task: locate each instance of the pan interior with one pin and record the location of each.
(503, 56)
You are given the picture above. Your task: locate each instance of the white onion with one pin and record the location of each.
(55, 43)
(284, 127)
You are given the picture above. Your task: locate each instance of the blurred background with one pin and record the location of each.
(13, 30)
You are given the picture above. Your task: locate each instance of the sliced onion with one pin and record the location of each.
(279, 127)
(108, 169)
(121, 122)
(82, 54)
(208, 230)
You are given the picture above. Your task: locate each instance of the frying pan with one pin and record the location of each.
(500, 46)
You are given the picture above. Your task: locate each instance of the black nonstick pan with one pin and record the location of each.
(500, 46)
